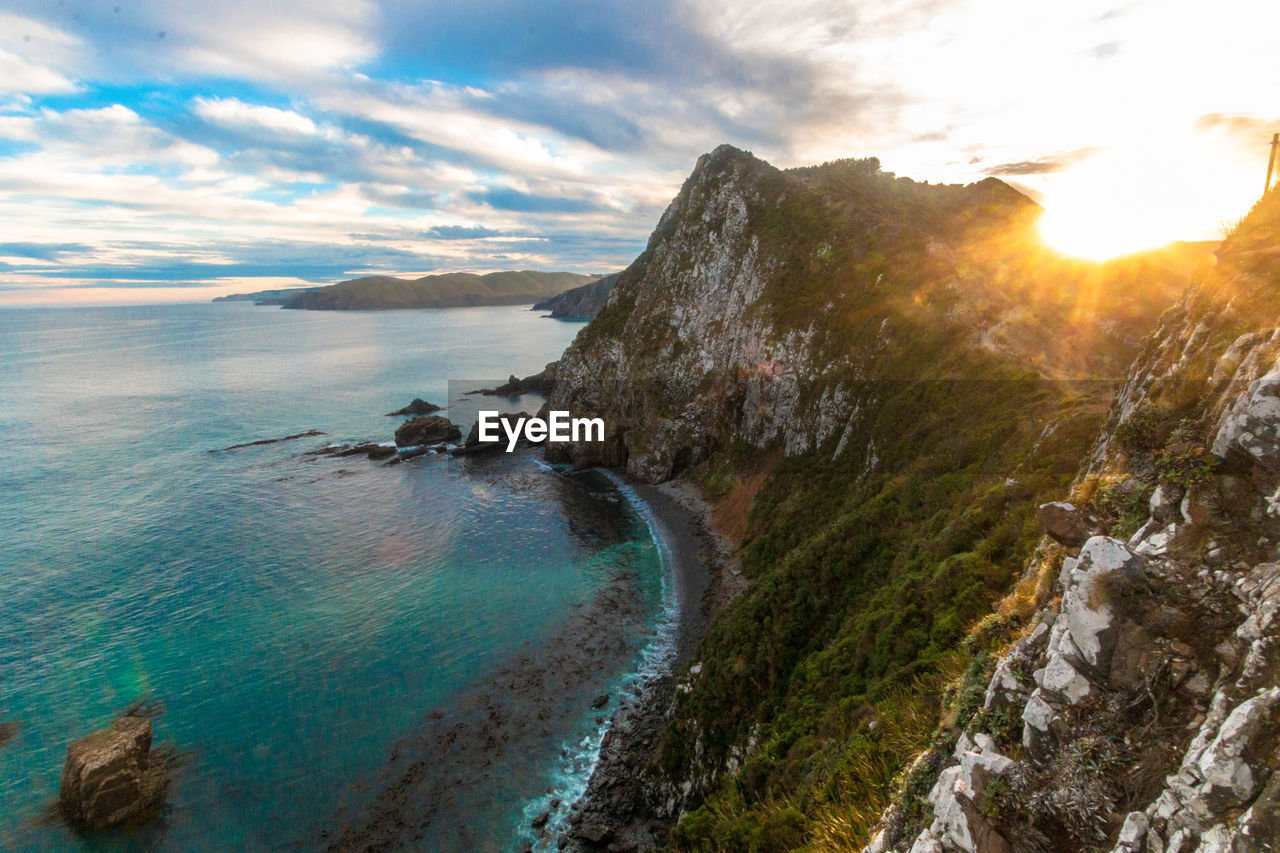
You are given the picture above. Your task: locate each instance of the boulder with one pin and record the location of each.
(1105, 567)
(1065, 523)
(595, 832)
(419, 406)
(427, 429)
(111, 777)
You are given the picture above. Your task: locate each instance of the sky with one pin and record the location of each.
(173, 150)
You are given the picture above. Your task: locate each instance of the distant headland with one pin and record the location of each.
(447, 290)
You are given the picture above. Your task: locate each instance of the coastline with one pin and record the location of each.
(617, 810)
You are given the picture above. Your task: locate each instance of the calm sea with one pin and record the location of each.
(310, 626)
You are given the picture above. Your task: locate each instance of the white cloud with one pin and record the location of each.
(283, 40)
(235, 113)
(36, 59)
(19, 76)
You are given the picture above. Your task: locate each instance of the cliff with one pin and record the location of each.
(763, 294)
(877, 382)
(449, 290)
(1137, 709)
(579, 303)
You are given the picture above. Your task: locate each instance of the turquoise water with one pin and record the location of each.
(296, 617)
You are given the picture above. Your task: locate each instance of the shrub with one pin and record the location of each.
(1185, 461)
(1146, 428)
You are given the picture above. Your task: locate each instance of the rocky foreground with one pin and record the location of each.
(1140, 711)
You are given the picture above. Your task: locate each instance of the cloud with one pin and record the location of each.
(505, 198)
(234, 113)
(41, 251)
(34, 57)
(1041, 165)
(281, 41)
(502, 132)
(461, 232)
(1239, 124)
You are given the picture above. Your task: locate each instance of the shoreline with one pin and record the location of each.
(618, 809)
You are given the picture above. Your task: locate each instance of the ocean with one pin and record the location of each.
(340, 652)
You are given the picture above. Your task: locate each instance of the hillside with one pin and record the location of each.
(1136, 708)
(448, 290)
(581, 302)
(876, 381)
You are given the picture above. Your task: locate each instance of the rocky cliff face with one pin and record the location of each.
(880, 380)
(764, 297)
(1138, 712)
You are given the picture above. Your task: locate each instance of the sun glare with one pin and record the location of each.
(1101, 229)
(1132, 199)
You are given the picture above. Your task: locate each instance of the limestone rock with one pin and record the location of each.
(1104, 568)
(1133, 834)
(1234, 765)
(1250, 429)
(958, 823)
(111, 777)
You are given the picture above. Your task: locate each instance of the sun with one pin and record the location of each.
(1103, 228)
(1109, 208)
(1133, 198)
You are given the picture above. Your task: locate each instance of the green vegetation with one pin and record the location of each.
(450, 290)
(1184, 460)
(863, 586)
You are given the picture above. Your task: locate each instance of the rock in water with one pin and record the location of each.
(430, 429)
(473, 444)
(1062, 521)
(8, 731)
(538, 383)
(419, 406)
(111, 777)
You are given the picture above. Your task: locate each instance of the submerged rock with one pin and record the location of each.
(297, 435)
(372, 449)
(428, 429)
(112, 777)
(8, 731)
